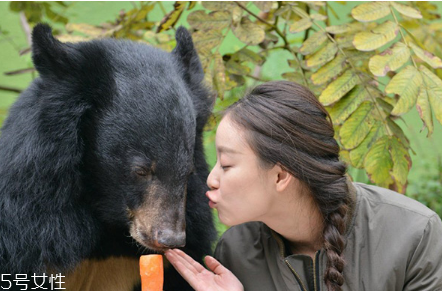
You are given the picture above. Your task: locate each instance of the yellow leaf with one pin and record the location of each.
(85, 28)
(71, 38)
(401, 163)
(357, 127)
(405, 84)
(264, 6)
(434, 89)
(219, 76)
(331, 70)
(389, 60)
(323, 56)
(377, 37)
(406, 10)
(172, 17)
(347, 28)
(427, 57)
(300, 25)
(313, 43)
(370, 11)
(338, 88)
(424, 109)
(249, 32)
(318, 17)
(207, 39)
(217, 20)
(219, 5)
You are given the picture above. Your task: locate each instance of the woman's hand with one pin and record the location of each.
(201, 279)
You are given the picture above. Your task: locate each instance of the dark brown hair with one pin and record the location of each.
(287, 125)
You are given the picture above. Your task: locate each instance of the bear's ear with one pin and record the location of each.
(187, 55)
(50, 56)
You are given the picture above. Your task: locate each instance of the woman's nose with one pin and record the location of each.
(212, 179)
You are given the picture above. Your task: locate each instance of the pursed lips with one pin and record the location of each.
(212, 203)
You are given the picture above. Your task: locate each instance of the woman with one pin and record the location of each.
(299, 224)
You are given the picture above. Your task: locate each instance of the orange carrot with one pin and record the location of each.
(151, 271)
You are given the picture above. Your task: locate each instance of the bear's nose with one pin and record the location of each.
(170, 239)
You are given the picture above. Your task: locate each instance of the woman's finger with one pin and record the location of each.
(198, 267)
(175, 258)
(186, 270)
(188, 275)
(215, 266)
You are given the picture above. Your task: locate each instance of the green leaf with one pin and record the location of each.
(388, 162)
(236, 68)
(246, 55)
(300, 25)
(357, 155)
(313, 43)
(218, 5)
(389, 60)
(331, 70)
(357, 127)
(172, 17)
(342, 109)
(424, 109)
(207, 39)
(377, 37)
(323, 56)
(434, 89)
(427, 57)
(397, 131)
(405, 84)
(338, 88)
(249, 32)
(370, 11)
(217, 20)
(406, 10)
(296, 77)
(378, 162)
(345, 41)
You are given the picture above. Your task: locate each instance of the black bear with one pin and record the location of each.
(101, 161)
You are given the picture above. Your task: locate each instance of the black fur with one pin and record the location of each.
(70, 141)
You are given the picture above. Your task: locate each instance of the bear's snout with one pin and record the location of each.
(170, 239)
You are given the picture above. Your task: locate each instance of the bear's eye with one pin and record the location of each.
(142, 172)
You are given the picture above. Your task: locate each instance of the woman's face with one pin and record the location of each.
(240, 189)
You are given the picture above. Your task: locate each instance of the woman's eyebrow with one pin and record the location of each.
(227, 150)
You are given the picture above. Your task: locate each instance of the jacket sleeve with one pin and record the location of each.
(424, 272)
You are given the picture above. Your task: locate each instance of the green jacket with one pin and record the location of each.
(393, 243)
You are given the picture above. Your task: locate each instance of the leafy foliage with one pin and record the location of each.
(368, 71)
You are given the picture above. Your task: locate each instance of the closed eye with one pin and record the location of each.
(143, 172)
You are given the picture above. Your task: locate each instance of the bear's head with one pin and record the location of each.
(131, 116)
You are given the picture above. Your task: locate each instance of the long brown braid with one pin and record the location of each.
(287, 125)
